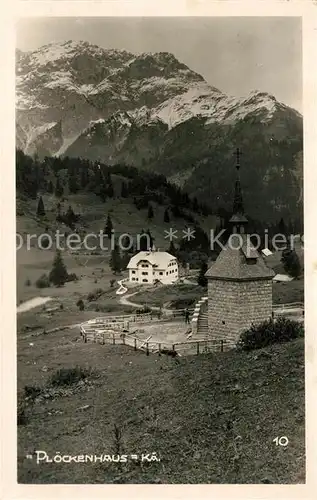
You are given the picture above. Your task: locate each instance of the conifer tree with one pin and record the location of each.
(291, 263)
(150, 238)
(143, 241)
(109, 227)
(59, 190)
(40, 208)
(150, 213)
(58, 275)
(195, 205)
(109, 186)
(115, 260)
(202, 280)
(282, 226)
(70, 217)
(166, 216)
(172, 249)
(72, 183)
(50, 187)
(84, 176)
(124, 190)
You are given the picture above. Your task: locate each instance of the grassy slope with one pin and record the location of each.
(179, 411)
(172, 296)
(31, 264)
(125, 216)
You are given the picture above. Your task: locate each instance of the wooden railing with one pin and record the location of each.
(290, 305)
(190, 347)
(126, 317)
(200, 307)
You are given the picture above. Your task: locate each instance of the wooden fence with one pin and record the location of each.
(294, 310)
(121, 323)
(130, 318)
(289, 305)
(189, 347)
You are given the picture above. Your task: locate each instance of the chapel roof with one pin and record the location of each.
(239, 261)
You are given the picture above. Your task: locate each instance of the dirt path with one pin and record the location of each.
(126, 302)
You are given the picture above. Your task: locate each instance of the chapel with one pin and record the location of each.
(239, 281)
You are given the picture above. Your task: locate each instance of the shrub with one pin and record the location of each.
(45, 242)
(270, 332)
(69, 376)
(43, 281)
(31, 391)
(95, 294)
(182, 303)
(143, 310)
(72, 277)
(80, 304)
(21, 415)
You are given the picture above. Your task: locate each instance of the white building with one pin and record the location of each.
(147, 267)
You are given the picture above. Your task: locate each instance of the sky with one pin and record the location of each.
(235, 54)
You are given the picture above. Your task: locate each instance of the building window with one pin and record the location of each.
(145, 273)
(161, 274)
(145, 280)
(133, 272)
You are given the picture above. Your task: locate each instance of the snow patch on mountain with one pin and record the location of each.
(55, 51)
(199, 100)
(205, 101)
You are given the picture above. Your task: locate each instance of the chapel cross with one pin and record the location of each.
(237, 155)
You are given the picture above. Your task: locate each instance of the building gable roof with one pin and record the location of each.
(157, 259)
(239, 261)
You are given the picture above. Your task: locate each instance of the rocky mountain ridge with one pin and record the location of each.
(153, 112)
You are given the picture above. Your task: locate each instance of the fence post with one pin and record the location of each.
(113, 339)
(147, 348)
(159, 347)
(103, 339)
(221, 345)
(95, 337)
(123, 338)
(197, 348)
(85, 338)
(173, 347)
(135, 344)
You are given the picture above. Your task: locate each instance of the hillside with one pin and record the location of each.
(153, 112)
(210, 419)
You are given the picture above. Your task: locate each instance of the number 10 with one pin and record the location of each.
(281, 441)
